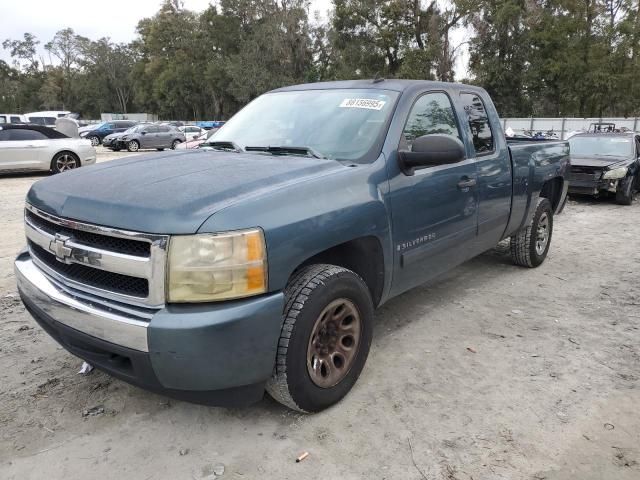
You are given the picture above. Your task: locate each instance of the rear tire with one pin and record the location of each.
(64, 161)
(160, 149)
(624, 195)
(529, 246)
(325, 338)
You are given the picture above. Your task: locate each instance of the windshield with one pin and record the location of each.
(134, 129)
(338, 124)
(601, 146)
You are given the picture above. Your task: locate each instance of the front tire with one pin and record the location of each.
(64, 161)
(529, 246)
(95, 141)
(325, 338)
(174, 144)
(624, 195)
(133, 146)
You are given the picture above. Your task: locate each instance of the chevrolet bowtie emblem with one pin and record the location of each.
(58, 246)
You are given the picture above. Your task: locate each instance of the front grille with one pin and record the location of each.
(113, 282)
(114, 244)
(584, 177)
(115, 265)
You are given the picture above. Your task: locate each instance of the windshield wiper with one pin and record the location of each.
(287, 150)
(221, 145)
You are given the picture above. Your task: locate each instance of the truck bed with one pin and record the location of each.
(533, 162)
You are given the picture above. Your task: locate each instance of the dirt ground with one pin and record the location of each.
(491, 372)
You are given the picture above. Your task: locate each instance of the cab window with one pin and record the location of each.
(432, 113)
(21, 134)
(479, 125)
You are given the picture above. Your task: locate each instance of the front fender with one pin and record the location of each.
(310, 217)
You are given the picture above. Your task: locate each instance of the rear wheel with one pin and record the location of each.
(529, 246)
(624, 195)
(64, 161)
(133, 146)
(325, 338)
(160, 149)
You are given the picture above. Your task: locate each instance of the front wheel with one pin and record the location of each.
(174, 144)
(64, 161)
(529, 246)
(95, 141)
(133, 146)
(325, 338)
(624, 195)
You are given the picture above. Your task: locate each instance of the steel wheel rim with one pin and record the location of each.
(133, 145)
(65, 162)
(334, 342)
(542, 235)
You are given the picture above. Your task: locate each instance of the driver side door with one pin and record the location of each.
(434, 210)
(148, 137)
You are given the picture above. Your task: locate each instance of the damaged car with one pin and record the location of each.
(605, 164)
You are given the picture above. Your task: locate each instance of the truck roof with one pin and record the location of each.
(381, 84)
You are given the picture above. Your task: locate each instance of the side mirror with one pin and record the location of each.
(195, 136)
(143, 133)
(430, 151)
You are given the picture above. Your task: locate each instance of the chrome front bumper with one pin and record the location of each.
(76, 312)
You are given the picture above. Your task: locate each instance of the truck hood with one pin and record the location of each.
(599, 162)
(170, 193)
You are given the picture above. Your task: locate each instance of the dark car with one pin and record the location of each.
(605, 163)
(147, 136)
(97, 134)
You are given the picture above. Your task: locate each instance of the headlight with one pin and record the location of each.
(615, 173)
(210, 267)
(84, 134)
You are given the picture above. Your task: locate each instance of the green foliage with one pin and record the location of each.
(535, 57)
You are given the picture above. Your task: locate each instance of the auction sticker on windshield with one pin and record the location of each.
(368, 103)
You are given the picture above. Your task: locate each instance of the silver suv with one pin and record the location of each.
(147, 136)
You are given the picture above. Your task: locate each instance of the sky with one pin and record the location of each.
(94, 19)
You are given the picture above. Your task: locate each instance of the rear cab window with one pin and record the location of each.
(479, 125)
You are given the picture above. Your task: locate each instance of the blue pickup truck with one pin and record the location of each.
(256, 262)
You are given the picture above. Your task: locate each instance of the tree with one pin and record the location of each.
(499, 54)
(66, 47)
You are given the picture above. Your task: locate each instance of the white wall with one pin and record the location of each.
(562, 126)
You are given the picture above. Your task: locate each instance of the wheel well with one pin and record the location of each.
(363, 256)
(552, 190)
(73, 154)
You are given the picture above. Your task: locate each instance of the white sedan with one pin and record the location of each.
(191, 131)
(34, 147)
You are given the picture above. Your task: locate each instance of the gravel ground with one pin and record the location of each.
(490, 372)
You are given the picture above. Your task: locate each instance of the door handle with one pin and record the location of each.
(466, 182)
